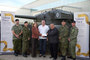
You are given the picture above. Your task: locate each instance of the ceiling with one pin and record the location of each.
(36, 4)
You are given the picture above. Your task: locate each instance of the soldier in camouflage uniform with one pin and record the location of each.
(17, 31)
(72, 40)
(63, 38)
(26, 37)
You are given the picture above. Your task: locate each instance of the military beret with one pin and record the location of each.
(25, 22)
(17, 20)
(73, 21)
(63, 21)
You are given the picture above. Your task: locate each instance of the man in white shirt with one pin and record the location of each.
(43, 29)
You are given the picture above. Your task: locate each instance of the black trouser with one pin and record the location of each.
(34, 46)
(53, 50)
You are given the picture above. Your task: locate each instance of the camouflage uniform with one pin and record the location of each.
(25, 44)
(73, 40)
(17, 41)
(63, 34)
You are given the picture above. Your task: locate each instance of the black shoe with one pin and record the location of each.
(54, 59)
(44, 56)
(69, 57)
(24, 55)
(74, 58)
(15, 54)
(51, 57)
(28, 54)
(63, 58)
(60, 55)
(40, 55)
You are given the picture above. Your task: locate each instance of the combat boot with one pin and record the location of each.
(25, 54)
(69, 57)
(74, 58)
(15, 53)
(63, 58)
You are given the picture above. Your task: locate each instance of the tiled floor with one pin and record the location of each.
(20, 57)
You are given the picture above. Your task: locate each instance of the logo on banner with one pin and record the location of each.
(86, 18)
(12, 18)
(79, 51)
(5, 47)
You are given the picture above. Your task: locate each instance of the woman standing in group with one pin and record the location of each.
(35, 35)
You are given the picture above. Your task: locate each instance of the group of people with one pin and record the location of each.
(64, 38)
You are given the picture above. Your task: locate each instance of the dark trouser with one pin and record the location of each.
(42, 46)
(72, 48)
(25, 47)
(63, 46)
(17, 43)
(34, 46)
(54, 50)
